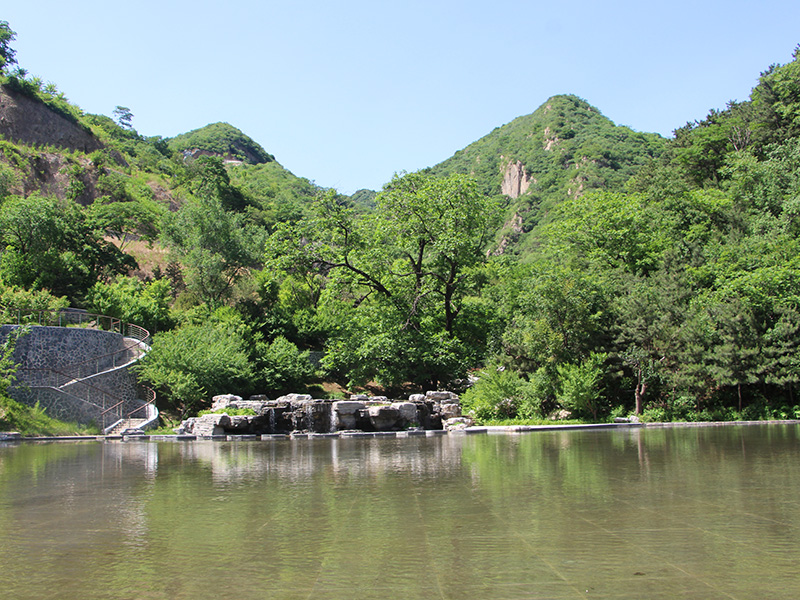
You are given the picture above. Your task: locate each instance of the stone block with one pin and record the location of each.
(458, 423)
(345, 414)
(223, 401)
(408, 412)
(384, 418)
(450, 410)
(441, 395)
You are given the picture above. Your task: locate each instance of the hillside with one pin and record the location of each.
(562, 149)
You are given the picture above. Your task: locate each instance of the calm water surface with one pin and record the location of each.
(659, 513)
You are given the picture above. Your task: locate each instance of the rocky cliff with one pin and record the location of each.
(28, 121)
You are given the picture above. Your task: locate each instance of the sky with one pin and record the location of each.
(349, 93)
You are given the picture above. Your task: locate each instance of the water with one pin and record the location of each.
(659, 513)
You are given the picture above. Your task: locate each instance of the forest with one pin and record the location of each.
(629, 274)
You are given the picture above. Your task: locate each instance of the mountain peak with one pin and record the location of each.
(222, 139)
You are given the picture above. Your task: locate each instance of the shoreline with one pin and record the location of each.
(11, 438)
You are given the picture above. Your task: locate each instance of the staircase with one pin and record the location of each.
(126, 424)
(98, 389)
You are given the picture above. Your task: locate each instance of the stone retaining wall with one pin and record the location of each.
(48, 358)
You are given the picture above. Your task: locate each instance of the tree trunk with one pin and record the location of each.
(641, 388)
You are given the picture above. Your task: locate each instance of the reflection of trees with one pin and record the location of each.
(305, 516)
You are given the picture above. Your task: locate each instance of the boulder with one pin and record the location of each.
(450, 410)
(458, 423)
(205, 426)
(224, 401)
(384, 418)
(408, 413)
(441, 396)
(345, 414)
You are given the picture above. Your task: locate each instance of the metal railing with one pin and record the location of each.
(73, 317)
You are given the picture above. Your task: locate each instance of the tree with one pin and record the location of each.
(396, 278)
(124, 117)
(7, 53)
(217, 247)
(191, 364)
(48, 244)
(126, 220)
(132, 301)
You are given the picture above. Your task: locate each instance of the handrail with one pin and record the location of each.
(108, 400)
(65, 317)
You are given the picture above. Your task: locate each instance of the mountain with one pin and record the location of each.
(221, 139)
(563, 149)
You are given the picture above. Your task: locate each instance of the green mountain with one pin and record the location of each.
(564, 148)
(222, 139)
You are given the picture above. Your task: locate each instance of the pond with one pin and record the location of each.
(631, 513)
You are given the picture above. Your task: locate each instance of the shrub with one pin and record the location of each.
(503, 393)
(195, 362)
(579, 386)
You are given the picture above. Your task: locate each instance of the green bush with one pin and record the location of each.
(579, 386)
(191, 364)
(231, 412)
(283, 368)
(130, 300)
(503, 394)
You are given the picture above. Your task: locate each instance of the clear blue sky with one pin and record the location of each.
(348, 93)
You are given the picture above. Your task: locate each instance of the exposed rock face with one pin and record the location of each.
(31, 122)
(515, 180)
(299, 412)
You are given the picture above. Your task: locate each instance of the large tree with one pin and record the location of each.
(397, 277)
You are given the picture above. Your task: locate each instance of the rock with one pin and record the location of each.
(295, 398)
(383, 418)
(132, 431)
(450, 410)
(317, 415)
(416, 398)
(344, 414)
(458, 423)
(208, 425)
(408, 412)
(560, 415)
(223, 401)
(516, 180)
(442, 395)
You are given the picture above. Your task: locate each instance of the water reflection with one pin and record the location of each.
(630, 513)
(341, 459)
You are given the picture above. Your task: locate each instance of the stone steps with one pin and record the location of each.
(127, 424)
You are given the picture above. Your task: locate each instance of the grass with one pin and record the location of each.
(33, 421)
(542, 421)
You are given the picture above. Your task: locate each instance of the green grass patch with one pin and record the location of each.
(34, 421)
(542, 421)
